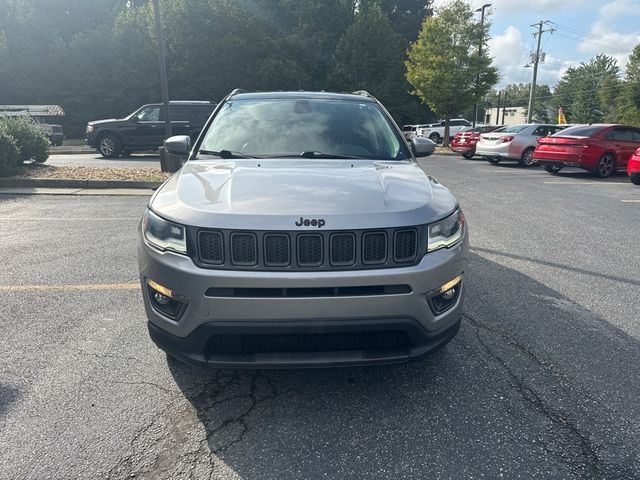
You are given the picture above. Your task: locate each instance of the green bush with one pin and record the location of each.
(30, 139)
(9, 153)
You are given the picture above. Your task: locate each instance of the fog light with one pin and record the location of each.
(161, 299)
(166, 301)
(449, 294)
(445, 297)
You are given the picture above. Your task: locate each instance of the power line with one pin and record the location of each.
(581, 33)
(596, 43)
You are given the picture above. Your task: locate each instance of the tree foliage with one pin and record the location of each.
(444, 66)
(587, 91)
(98, 58)
(628, 102)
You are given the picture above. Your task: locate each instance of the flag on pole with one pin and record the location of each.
(561, 119)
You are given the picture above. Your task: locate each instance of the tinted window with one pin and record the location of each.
(485, 129)
(579, 131)
(622, 134)
(275, 127)
(149, 114)
(635, 134)
(543, 131)
(180, 114)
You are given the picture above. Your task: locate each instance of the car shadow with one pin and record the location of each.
(534, 384)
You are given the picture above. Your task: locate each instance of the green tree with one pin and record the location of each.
(628, 102)
(444, 67)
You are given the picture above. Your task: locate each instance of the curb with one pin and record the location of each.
(73, 183)
(70, 152)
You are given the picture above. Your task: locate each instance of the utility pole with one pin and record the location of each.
(536, 61)
(498, 110)
(163, 70)
(481, 9)
(504, 106)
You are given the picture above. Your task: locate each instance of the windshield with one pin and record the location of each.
(303, 127)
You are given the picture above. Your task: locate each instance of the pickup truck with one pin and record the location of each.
(435, 132)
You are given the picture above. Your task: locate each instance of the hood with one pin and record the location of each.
(275, 194)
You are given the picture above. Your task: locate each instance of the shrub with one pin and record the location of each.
(30, 139)
(9, 153)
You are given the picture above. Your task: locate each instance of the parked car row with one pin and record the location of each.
(601, 149)
(435, 131)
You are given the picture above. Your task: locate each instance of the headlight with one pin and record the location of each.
(162, 234)
(447, 232)
(89, 129)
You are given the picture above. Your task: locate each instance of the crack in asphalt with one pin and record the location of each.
(206, 397)
(592, 462)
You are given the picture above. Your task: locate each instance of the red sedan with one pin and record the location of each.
(633, 167)
(465, 141)
(601, 149)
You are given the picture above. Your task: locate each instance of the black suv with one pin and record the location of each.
(144, 128)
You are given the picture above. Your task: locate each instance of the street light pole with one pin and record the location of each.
(163, 70)
(481, 9)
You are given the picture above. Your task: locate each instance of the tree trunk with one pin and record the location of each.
(445, 137)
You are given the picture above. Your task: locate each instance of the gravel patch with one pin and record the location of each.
(92, 173)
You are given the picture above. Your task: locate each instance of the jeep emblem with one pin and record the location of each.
(314, 222)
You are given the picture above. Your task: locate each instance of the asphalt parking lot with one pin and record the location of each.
(541, 382)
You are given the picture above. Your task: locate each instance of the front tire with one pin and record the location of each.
(526, 159)
(468, 156)
(635, 178)
(605, 166)
(109, 146)
(434, 137)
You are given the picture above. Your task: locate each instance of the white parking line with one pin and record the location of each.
(630, 201)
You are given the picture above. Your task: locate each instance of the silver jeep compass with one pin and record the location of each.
(300, 232)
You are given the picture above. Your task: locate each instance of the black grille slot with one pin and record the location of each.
(374, 247)
(276, 250)
(309, 250)
(299, 292)
(343, 249)
(405, 243)
(243, 249)
(210, 247)
(243, 344)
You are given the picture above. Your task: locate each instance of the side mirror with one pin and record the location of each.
(135, 119)
(422, 147)
(178, 145)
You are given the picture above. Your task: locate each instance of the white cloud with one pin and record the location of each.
(510, 55)
(619, 8)
(603, 39)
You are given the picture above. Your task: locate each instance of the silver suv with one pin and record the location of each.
(301, 232)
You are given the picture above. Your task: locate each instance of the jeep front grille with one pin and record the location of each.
(307, 251)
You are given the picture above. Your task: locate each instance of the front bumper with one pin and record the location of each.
(90, 139)
(319, 319)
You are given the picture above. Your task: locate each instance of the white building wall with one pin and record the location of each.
(512, 116)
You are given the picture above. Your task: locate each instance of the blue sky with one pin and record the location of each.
(584, 28)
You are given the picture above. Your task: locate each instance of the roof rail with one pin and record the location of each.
(236, 91)
(363, 93)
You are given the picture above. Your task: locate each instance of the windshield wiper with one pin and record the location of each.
(226, 154)
(316, 154)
